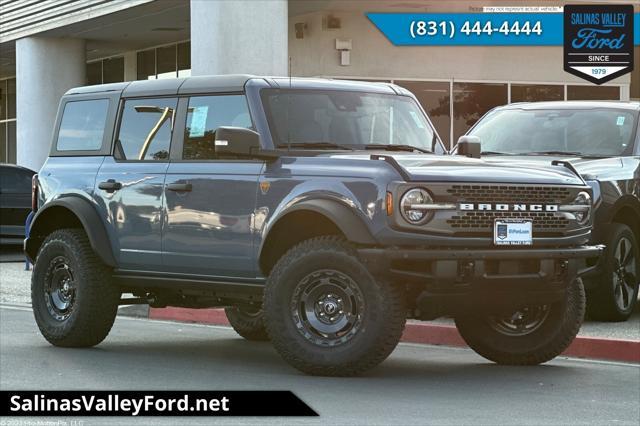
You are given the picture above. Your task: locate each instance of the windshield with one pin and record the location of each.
(595, 132)
(347, 119)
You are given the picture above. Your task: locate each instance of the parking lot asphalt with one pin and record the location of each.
(15, 289)
(418, 384)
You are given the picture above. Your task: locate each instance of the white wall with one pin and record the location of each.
(45, 69)
(374, 56)
(241, 36)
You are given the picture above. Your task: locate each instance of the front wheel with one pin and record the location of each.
(74, 301)
(326, 315)
(530, 335)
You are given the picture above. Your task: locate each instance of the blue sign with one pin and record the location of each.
(475, 29)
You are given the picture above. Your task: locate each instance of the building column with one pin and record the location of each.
(130, 66)
(242, 36)
(45, 69)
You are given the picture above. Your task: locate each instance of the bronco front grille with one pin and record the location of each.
(483, 221)
(506, 194)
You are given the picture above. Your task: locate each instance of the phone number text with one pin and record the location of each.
(419, 29)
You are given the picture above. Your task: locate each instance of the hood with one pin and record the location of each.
(450, 168)
(589, 168)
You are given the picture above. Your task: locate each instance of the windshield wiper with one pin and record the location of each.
(496, 153)
(315, 145)
(384, 147)
(573, 153)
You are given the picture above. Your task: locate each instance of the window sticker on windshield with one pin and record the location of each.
(620, 121)
(416, 120)
(198, 122)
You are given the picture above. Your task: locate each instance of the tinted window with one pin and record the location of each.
(593, 93)
(82, 125)
(536, 92)
(206, 114)
(471, 101)
(145, 129)
(434, 98)
(15, 181)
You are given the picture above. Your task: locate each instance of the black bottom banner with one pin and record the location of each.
(152, 403)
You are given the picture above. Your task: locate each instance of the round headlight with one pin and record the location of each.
(412, 205)
(582, 199)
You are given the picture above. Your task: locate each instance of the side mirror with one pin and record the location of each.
(236, 142)
(469, 146)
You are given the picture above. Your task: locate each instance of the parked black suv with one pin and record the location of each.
(318, 212)
(601, 140)
(15, 202)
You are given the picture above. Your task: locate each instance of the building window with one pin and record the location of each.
(471, 101)
(165, 62)
(536, 92)
(146, 65)
(593, 93)
(113, 70)
(103, 71)
(435, 99)
(8, 120)
(184, 59)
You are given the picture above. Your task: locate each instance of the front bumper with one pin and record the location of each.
(450, 281)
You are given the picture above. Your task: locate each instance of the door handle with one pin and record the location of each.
(182, 187)
(110, 185)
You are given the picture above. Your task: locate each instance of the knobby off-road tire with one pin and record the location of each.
(74, 301)
(247, 323)
(326, 315)
(549, 332)
(613, 294)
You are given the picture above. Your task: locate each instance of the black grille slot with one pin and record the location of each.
(543, 221)
(509, 194)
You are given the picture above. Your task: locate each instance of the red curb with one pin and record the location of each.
(437, 334)
(204, 316)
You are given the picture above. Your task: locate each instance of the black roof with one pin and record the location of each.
(230, 83)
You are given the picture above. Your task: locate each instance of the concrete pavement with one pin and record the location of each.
(417, 385)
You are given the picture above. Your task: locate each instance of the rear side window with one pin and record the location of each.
(82, 125)
(205, 115)
(145, 129)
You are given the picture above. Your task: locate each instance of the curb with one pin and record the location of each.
(437, 334)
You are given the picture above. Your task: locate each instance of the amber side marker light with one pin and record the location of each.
(389, 204)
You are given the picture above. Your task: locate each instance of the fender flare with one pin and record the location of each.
(343, 216)
(90, 220)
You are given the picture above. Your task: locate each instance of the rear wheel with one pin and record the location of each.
(528, 336)
(613, 295)
(248, 322)
(326, 314)
(74, 301)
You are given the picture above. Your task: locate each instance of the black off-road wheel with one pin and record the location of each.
(326, 315)
(530, 335)
(248, 322)
(613, 294)
(74, 301)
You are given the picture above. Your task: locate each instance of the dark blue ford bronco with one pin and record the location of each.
(319, 213)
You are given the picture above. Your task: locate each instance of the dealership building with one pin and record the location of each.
(47, 47)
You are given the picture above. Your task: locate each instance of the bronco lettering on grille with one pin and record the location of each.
(508, 207)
